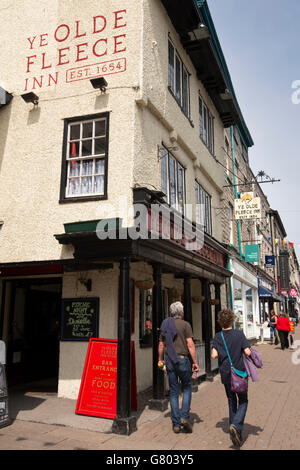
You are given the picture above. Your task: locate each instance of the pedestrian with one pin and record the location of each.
(273, 323)
(175, 345)
(283, 328)
(236, 344)
(296, 317)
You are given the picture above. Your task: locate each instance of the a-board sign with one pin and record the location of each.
(80, 319)
(4, 415)
(98, 388)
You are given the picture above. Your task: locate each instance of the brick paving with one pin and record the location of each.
(272, 420)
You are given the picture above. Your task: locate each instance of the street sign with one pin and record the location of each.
(247, 207)
(270, 261)
(252, 253)
(293, 293)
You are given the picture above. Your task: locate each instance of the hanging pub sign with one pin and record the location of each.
(247, 207)
(252, 253)
(270, 261)
(284, 271)
(98, 389)
(80, 319)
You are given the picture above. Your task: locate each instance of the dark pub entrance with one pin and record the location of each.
(33, 332)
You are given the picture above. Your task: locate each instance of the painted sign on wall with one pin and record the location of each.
(83, 51)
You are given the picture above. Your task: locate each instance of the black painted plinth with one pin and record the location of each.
(160, 405)
(124, 426)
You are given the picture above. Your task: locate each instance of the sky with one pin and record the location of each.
(260, 40)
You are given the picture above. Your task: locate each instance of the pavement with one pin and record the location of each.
(42, 421)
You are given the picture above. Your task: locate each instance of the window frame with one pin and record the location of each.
(64, 198)
(184, 99)
(200, 195)
(206, 123)
(178, 167)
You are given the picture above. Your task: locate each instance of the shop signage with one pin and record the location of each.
(284, 293)
(284, 271)
(293, 293)
(77, 50)
(243, 274)
(247, 207)
(270, 261)
(184, 236)
(98, 388)
(80, 319)
(252, 253)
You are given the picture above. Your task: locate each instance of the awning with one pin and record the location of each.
(268, 294)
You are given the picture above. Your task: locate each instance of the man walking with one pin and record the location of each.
(176, 341)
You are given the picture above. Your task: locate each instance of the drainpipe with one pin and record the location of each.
(235, 190)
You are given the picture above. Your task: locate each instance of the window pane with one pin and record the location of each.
(100, 127)
(204, 124)
(185, 92)
(87, 130)
(178, 80)
(164, 173)
(74, 131)
(87, 185)
(74, 149)
(86, 147)
(201, 122)
(74, 186)
(171, 67)
(100, 146)
(87, 167)
(99, 167)
(172, 181)
(74, 168)
(180, 189)
(99, 184)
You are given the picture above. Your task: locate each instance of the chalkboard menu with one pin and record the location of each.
(80, 319)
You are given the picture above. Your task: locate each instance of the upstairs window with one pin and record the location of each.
(173, 181)
(203, 213)
(206, 126)
(85, 158)
(179, 80)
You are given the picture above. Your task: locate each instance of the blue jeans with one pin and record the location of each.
(181, 371)
(272, 331)
(238, 403)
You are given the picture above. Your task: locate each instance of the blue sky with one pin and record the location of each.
(261, 43)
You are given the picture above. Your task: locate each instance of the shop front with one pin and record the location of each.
(136, 280)
(245, 302)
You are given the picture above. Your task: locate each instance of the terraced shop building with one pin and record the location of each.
(71, 155)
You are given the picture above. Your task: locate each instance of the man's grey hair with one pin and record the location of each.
(176, 310)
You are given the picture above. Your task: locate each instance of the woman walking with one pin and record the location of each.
(273, 325)
(283, 328)
(234, 342)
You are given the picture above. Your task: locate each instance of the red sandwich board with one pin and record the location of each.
(98, 388)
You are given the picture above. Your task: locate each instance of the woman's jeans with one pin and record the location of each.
(181, 371)
(238, 403)
(272, 332)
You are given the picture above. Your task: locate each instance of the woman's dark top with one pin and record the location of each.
(236, 342)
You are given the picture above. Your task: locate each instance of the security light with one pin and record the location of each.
(226, 96)
(31, 98)
(199, 34)
(100, 83)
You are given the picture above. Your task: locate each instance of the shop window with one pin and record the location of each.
(206, 126)
(84, 169)
(203, 208)
(173, 181)
(179, 80)
(145, 321)
(237, 299)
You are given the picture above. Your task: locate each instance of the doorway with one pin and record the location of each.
(34, 332)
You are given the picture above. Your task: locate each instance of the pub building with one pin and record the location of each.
(107, 106)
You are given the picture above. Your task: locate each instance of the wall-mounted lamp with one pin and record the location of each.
(226, 96)
(99, 83)
(31, 98)
(199, 34)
